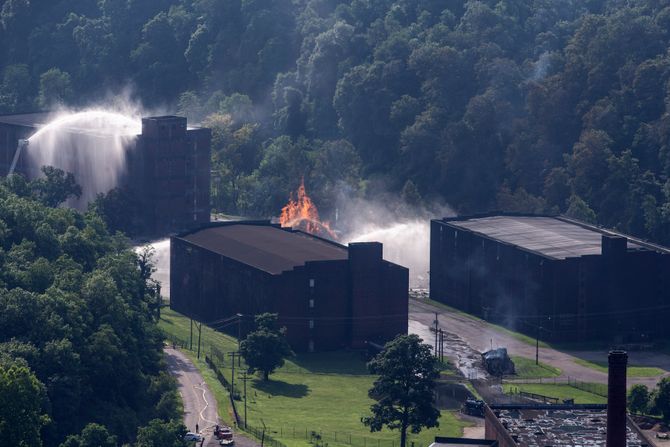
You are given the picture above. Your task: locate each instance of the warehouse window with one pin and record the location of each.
(311, 282)
(311, 324)
(310, 347)
(311, 303)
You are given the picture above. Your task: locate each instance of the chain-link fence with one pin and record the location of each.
(599, 389)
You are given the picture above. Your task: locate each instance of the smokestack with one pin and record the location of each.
(616, 399)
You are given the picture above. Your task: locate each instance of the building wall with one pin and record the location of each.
(174, 174)
(595, 296)
(493, 429)
(207, 286)
(324, 305)
(379, 298)
(312, 302)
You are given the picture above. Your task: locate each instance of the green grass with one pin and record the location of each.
(560, 391)
(527, 369)
(633, 371)
(321, 392)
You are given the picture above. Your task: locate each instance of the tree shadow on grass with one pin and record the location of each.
(335, 362)
(280, 388)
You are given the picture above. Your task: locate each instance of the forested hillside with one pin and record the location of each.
(545, 105)
(80, 352)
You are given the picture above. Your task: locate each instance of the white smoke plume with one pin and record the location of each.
(403, 228)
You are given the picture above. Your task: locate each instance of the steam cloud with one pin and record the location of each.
(90, 143)
(403, 228)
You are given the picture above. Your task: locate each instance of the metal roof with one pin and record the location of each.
(33, 120)
(266, 247)
(553, 237)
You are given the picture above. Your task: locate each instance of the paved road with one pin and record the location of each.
(481, 336)
(199, 403)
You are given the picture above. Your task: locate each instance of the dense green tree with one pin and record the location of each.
(662, 398)
(55, 88)
(265, 348)
(55, 187)
(514, 104)
(404, 388)
(161, 434)
(75, 307)
(22, 398)
(638, 399)
(93, 435)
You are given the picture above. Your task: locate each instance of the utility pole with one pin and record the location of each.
(239, 330)
(537, 345)
(436, 323)
(441, 345)
(199, 326)
(232, 375)
(191, 342)
(245, 377)
(239, 339)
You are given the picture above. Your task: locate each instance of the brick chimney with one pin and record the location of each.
(616, 399)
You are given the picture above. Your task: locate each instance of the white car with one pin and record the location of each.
(194, 437)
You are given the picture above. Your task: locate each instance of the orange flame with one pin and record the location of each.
(303, 214)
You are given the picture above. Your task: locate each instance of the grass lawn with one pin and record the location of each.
(633, 371)
(527, 369)
(561, 391)
(322, 392)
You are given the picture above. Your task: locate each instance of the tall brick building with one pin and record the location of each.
(167, 167)
(327, 295)
(561, 278)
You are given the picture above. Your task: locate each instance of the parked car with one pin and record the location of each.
(190, 436)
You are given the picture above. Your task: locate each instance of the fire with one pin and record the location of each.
(303, 214)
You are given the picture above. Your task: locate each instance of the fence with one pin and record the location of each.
(599, 389)
(325, 437)
(539, 397)
(263, 435)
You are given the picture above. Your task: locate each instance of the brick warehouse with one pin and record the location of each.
(328, 296)
(552, 276)
(168, 167)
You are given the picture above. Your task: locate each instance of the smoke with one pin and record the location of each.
(541, 66)
(403, 228)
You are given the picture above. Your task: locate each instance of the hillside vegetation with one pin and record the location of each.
(78, 337)
(521, 105)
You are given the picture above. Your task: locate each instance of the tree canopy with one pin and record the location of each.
(265, 348)
(527, 106)
(404, 390)
(78, 336)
